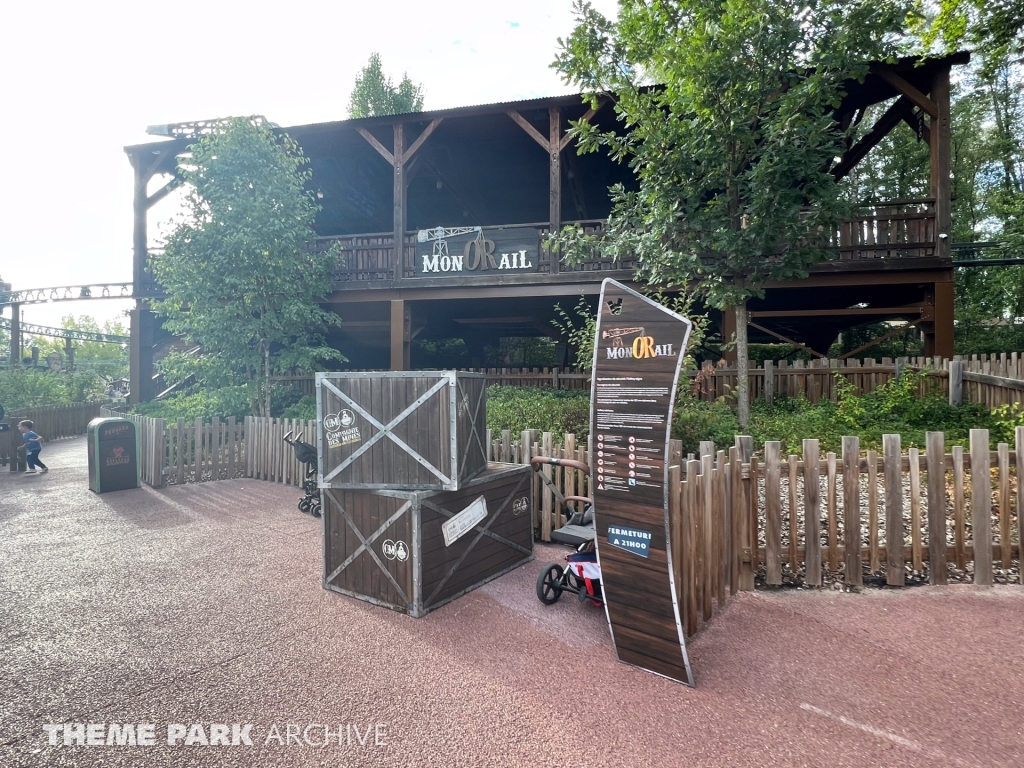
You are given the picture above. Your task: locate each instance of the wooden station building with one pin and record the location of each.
(470, 194)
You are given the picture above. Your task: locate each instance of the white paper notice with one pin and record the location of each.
(458, 526)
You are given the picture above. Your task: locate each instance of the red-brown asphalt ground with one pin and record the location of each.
(203, 604)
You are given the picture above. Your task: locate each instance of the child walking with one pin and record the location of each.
(33, 445)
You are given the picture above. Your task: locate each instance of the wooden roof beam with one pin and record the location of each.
(786, 339)
(422, 138)
(381, 149)
(530, 130)
(908, 90)
(889, 120)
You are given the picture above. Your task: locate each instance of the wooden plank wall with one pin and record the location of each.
(557, 378)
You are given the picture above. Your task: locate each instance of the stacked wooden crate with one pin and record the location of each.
(414, 514)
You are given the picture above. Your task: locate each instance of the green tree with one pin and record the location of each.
(732, 150)
(239, 280)
(375, 94)
(994, 29)
(107, 360)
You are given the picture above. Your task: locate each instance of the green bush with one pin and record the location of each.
(549, 410)
(26, 388)
(696, 420)
(225, 402)
(203, 403)
(894, 408)
(304, 408)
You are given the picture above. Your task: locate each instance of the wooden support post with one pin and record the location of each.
(15, 346)
(401, 334)
(728, 331)
(398, 250)
(69, 355)
(956, 382)
(555, 178)
(140, 351)
(940, 169)
(939, 342)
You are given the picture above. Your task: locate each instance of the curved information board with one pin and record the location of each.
(637, 355)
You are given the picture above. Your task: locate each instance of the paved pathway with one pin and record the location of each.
(203, 604)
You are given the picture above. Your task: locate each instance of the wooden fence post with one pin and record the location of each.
(1019, 447)
(707, 490)
(854, 572)
(772, 512)
(935, 454)
(956, 382)
(735, 490)
(981, 507)
(769, 382)
(892, 458)
(812, 514)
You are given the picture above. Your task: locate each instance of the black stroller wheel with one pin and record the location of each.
(549, 584)
(304, 505)
(314, 510)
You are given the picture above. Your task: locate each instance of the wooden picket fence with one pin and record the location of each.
(53, 422)
(990, 382)
(547, 512)
(738, 517)
(267, 456)
(219, 449)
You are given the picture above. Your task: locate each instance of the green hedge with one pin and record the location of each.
(549, 410)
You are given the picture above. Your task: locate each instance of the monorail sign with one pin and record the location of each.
(475, 251)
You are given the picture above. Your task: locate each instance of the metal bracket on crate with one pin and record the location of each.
(366, 542)
(385, 430)
(476, 434)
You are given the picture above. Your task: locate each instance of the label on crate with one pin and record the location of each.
(458, 526)
(341, 428)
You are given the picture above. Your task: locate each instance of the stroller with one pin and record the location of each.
(581, 575)
(306, 454)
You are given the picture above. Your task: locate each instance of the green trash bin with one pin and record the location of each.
(113, 454)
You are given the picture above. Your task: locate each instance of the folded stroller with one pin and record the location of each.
(582, 574)
(306, 454)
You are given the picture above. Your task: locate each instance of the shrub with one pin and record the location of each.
(696, 420)
(304, 408)
(549, 410)
(26, 388)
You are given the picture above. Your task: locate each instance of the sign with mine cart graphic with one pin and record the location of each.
(638, 352)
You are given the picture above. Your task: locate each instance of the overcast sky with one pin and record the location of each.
(80, 81)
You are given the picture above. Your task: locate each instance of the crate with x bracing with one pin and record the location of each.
(414, 551)
(406, 430)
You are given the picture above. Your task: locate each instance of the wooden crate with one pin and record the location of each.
(415, 430)
(390, 547)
